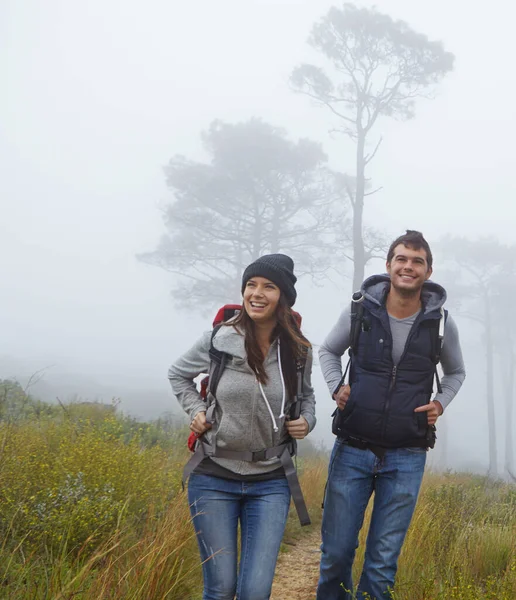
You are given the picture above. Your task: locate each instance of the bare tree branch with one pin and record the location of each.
(368, 158)
(373, 192)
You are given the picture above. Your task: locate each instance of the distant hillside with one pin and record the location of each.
(50, 384)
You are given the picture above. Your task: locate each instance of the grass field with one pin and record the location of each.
(91, 507)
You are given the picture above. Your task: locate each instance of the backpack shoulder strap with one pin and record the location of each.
(357, 316)
(437, 333)
(295, 407)
(437, 336)
(218, 360)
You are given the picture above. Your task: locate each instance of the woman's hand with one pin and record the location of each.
(297, 429)
(199, 424)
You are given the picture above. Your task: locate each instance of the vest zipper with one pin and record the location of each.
(393, 379)
(394, 370)
(388, 401)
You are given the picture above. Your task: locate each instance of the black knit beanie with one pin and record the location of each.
(278, 268)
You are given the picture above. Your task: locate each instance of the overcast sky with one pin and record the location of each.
(98, 95)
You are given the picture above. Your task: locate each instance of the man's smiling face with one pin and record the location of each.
(408, 269)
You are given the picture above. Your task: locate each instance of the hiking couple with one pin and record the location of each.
(261, 400)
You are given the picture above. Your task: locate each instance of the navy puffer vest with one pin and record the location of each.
(380, 409)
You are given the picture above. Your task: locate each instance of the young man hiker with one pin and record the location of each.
(385, 421)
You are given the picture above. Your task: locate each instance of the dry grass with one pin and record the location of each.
(461, 545)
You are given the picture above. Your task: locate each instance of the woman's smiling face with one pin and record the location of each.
(261, 298)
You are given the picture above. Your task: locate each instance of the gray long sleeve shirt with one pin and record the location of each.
(338, 341)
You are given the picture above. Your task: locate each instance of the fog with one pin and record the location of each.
(98, 96)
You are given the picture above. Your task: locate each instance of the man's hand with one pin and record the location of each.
(341, 397)
(199, 424)
(433, 411)
(297, 429)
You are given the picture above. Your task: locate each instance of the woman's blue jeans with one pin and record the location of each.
(354, 474)
(217, 506)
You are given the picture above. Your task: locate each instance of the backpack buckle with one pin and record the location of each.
(259, 455)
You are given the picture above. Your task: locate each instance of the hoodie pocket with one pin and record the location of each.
(232, 430)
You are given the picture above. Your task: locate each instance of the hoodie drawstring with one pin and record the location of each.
(282, 413)
(281, 416)
(269, 407)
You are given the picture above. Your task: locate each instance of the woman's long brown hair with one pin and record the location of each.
(294, 345)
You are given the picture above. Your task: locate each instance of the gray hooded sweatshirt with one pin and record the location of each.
(247, 416)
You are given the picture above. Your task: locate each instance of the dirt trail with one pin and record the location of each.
(298, 569)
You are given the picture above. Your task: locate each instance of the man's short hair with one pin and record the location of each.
(411, 239)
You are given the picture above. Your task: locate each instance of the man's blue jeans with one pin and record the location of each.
(353, 476)
(217, 505)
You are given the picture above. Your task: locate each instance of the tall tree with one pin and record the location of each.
(259, 193)
(378, 68)
(480, 266)
(505, 342)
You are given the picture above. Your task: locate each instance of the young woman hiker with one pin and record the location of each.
(243, 473)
